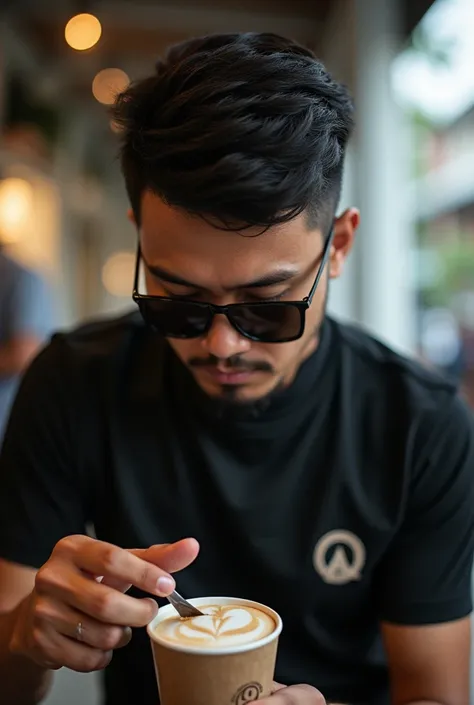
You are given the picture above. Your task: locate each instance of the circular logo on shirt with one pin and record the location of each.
(247, 693)
(339, 557)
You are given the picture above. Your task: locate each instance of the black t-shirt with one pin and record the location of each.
(345, 500)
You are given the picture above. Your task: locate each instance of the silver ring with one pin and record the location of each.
(79, 631)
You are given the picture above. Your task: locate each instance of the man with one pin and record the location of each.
(321, 473)
(25, 322)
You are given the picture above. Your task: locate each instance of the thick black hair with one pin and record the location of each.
(245, 129)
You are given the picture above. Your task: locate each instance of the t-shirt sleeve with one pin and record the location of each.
(41, 497)
(425, 576)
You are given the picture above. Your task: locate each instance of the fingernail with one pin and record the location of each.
(165, 585)
(154, 606)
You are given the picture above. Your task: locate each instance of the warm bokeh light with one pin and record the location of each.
(83, 31)
(108, 84)
(16, 200)
(117, 273)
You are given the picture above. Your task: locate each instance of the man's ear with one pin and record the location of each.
(131, 217)
(345, 227)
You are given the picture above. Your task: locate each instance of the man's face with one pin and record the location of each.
(223, 267)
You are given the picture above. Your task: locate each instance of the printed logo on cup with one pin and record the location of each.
(339, 557)
(247, 693)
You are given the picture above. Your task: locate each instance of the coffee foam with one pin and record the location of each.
(220, 626)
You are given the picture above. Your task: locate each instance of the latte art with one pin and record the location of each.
(219, 626)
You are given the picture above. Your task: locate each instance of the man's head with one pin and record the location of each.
(233, 156)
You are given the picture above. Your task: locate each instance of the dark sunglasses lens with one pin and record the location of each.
(175, 319)
(270, 323)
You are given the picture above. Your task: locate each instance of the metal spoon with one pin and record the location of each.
(182, 606)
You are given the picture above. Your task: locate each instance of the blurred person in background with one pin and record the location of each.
(322, 473)
(25, 323)
(442, 345)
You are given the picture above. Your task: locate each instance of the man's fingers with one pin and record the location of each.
(116, 584)
(55, 650)
(171, 557)
(147, 569)
(295, 695)
(105, 559)
(95, 599)
(276, 687)
(111, 606)
(79, 626)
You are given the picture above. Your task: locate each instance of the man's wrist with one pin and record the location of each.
(23, 681)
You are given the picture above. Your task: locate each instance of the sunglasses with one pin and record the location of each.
(266, 322)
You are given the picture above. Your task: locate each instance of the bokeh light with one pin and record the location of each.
(16, 201)
(117, 273)
(83, 31)
(108, 83)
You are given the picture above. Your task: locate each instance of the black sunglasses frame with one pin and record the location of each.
(213, 309)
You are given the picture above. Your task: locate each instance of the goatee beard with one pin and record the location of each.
(228, 405)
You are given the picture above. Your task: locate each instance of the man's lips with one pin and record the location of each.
(222, 376)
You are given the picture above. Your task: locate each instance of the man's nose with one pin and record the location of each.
(223, 340)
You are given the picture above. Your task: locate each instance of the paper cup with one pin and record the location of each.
(228, 676)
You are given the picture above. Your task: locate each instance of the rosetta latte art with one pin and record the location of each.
(219, 626)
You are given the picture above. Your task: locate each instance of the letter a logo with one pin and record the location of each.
(342, 565)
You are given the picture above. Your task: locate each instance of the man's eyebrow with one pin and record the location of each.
(160, 273)
(278, 276)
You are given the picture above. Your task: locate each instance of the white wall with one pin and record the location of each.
(74, 689)
(376, 290)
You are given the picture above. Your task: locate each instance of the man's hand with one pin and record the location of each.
(294, 695)
(78, 613)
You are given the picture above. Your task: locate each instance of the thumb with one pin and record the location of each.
(276, 687)
(170, 557)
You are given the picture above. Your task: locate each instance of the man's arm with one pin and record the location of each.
(40, 502)
(429, 665)
(422, 586)
(23, 682)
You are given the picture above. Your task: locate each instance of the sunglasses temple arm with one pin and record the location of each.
(137, 270)
(322, 266)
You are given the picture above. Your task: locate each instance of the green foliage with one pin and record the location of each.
(458, 265)
(456, 273)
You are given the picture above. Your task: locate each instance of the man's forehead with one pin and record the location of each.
(168, 232)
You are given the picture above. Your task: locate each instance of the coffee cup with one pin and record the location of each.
(224, 657)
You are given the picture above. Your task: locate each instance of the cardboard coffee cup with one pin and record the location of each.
(230, 675)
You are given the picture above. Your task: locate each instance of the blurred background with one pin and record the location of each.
(410, 167)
